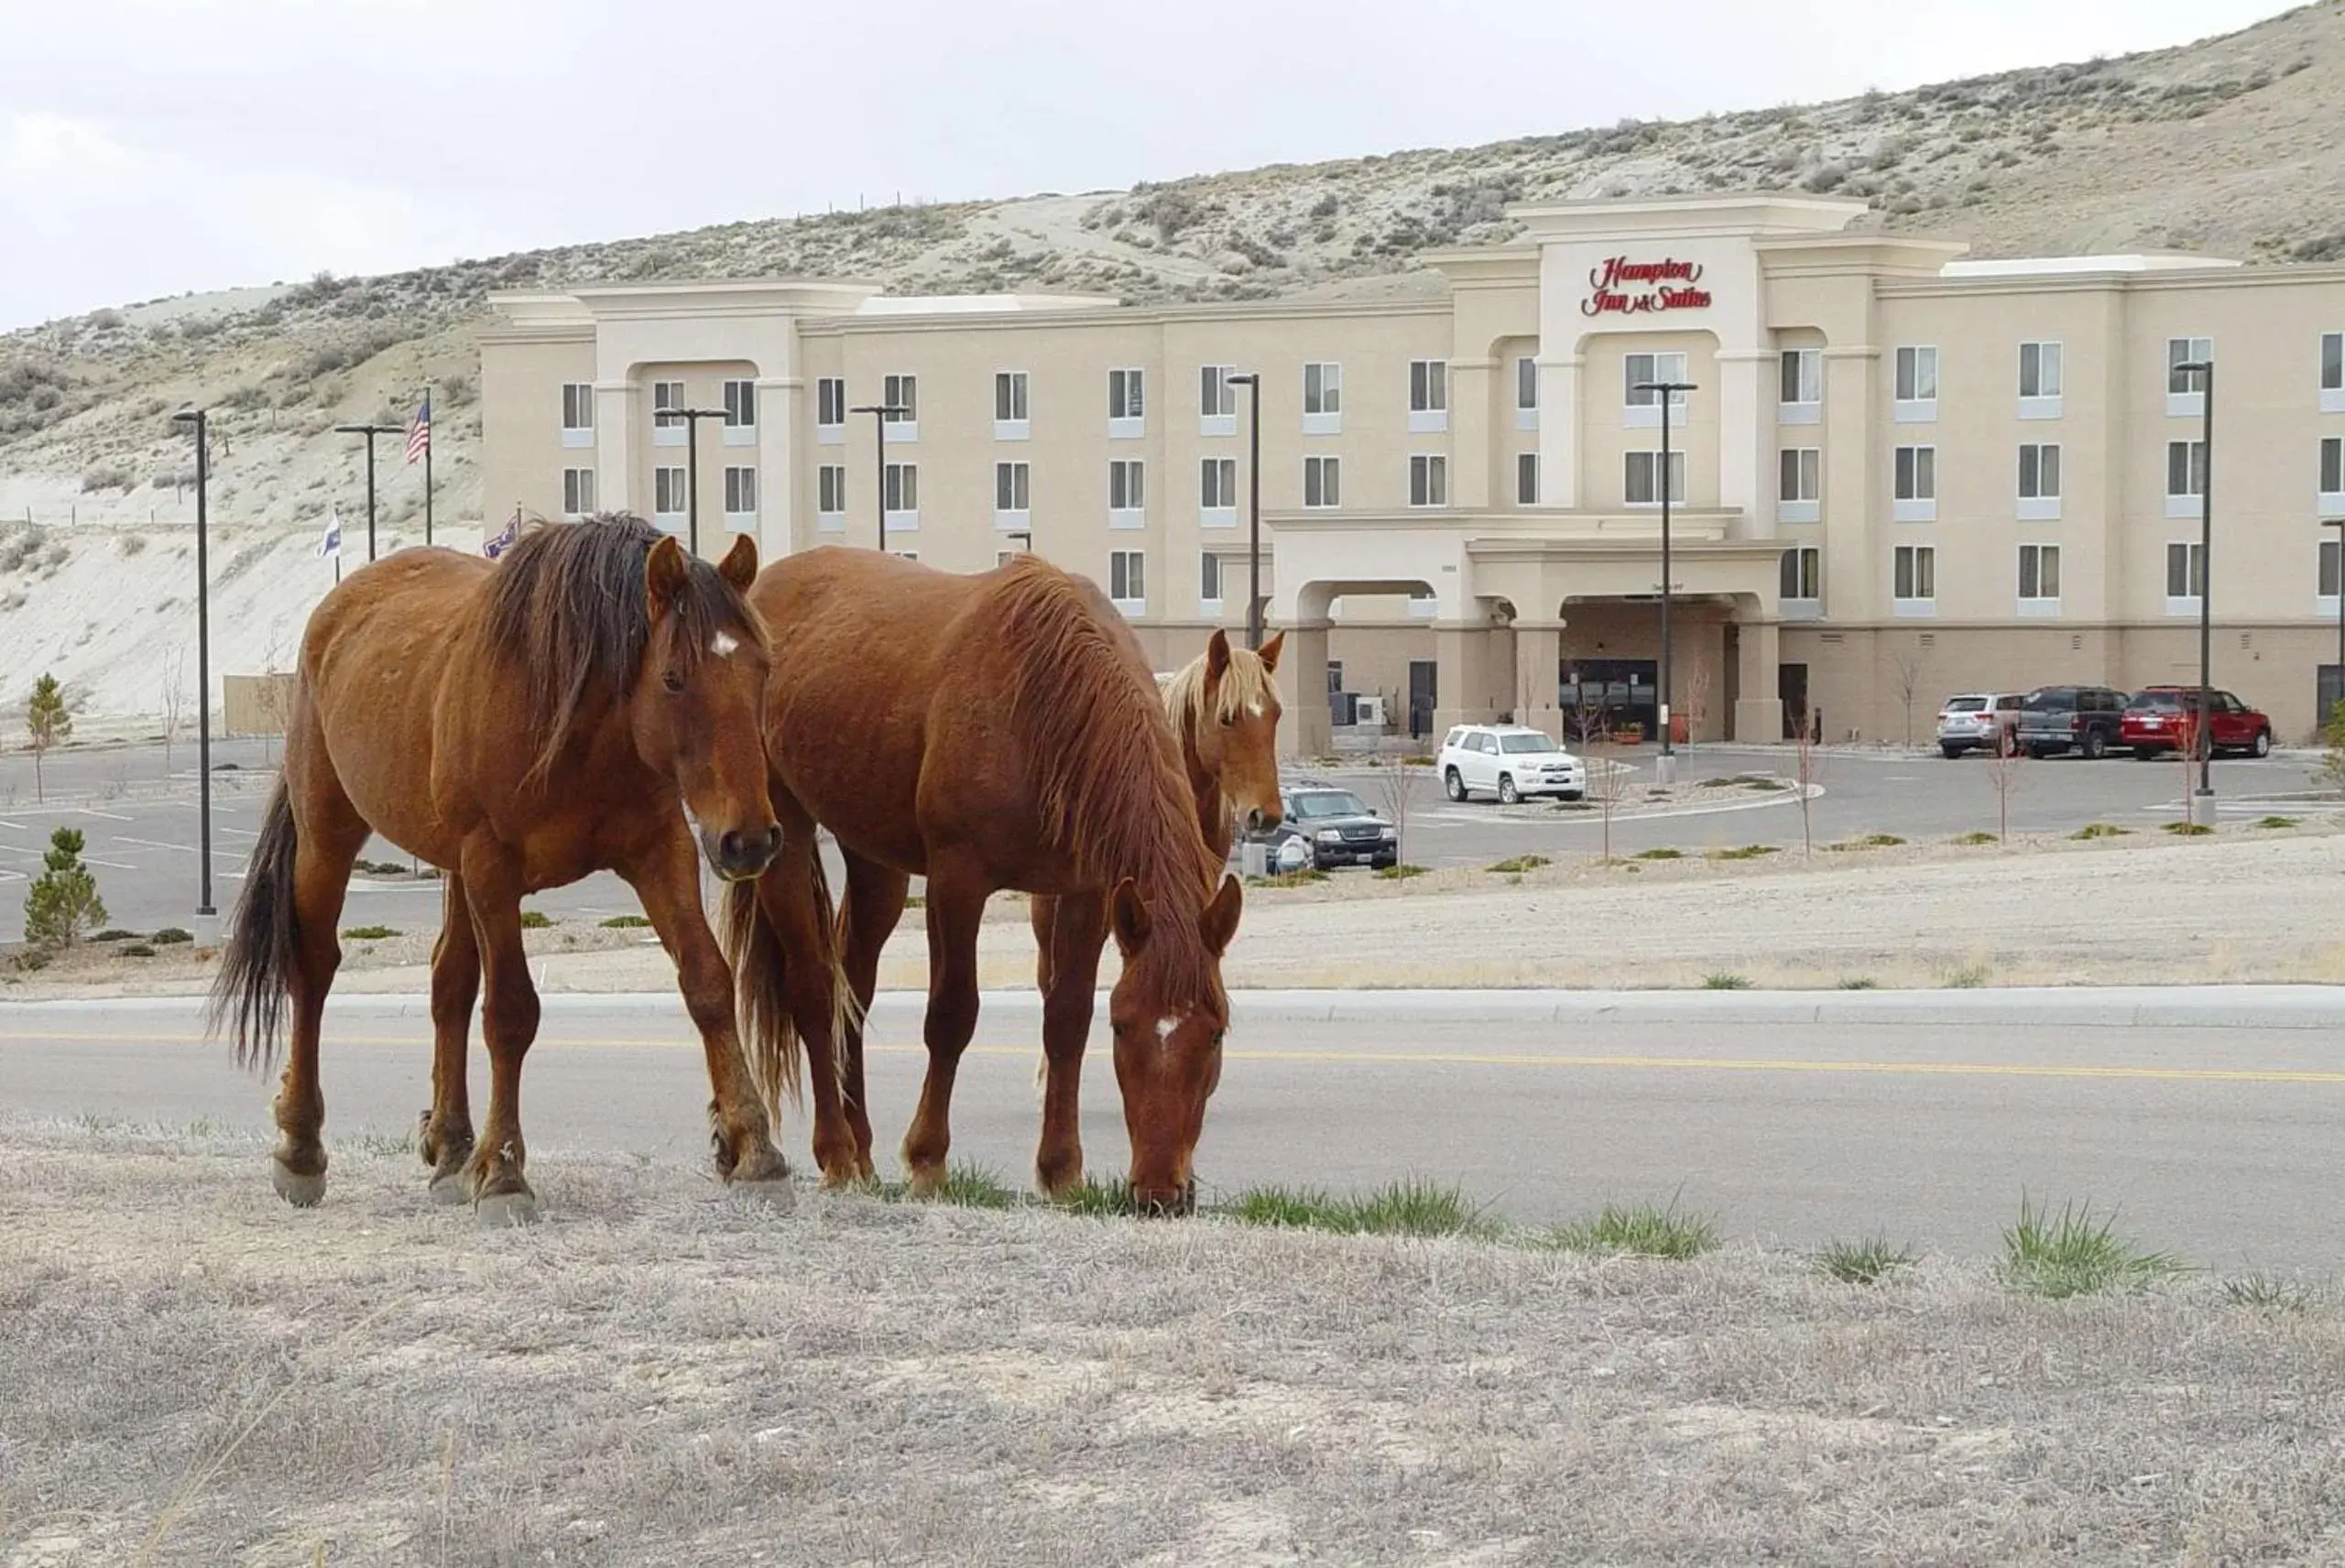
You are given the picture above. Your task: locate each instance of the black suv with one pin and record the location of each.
(1332, 826)
(2059, 718)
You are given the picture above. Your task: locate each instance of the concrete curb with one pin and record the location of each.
(2135, 1006)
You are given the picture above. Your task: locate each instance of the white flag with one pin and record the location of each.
(331, 545)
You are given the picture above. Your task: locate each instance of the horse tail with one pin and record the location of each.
(256, 976)
(768, 1028)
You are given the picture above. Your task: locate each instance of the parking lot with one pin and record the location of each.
(138, 818)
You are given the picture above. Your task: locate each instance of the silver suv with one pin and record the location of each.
(1979, 720)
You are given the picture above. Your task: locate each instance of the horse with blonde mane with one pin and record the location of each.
(992, 731)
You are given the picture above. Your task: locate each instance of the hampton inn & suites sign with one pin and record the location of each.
(1620, 286)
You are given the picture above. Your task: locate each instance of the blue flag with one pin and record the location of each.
(331, 544)
(504, 541)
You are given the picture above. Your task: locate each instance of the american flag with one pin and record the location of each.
(419, 430)
(504, 541)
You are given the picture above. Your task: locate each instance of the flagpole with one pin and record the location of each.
(428, 444)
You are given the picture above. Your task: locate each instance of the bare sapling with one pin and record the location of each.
(174, 701)
(1905, 679)
(1806, 763)
(2003, 761)
(1396, 792)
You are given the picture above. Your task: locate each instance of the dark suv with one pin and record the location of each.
(2060, 718)
(1332, 827)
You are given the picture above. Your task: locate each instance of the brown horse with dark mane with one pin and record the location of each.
(519, 726)
(994, 732)
(1224, 705)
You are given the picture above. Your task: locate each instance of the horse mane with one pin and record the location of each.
(1246, 684)
(1114, 795)
(568, 606)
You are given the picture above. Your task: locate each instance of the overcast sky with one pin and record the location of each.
(149, 147)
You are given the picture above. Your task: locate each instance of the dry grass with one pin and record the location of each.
(661, 1375)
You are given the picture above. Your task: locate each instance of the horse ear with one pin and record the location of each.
(1217, 656)
(1129, 916)
(1219, 923)
(1271, 651)
(664, 574)
(739, 566)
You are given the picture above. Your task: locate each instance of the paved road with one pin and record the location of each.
(1797, 1118)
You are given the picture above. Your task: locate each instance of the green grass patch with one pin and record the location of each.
(2268, 1292)
(1860, 983)
(1870, 841)
(1401, 872)
(1659, 854)
(1764, 786)
(1638, 1230)
(2075, 1254)
(968, 1185)
(136, 950)
(1724, 982)
(1966, 979)
(116, 936)
(534, 920)
(380, 867)
(2279, 821)
(2101, 829)
(1300, 878)
(1973, 840)
(625, 922)
(1516, 865)
(1866, 1262)
(2189, 830)
(1747, 852)
(1098, 1200)
(1414, 1207)
(171, 936)
(367, 933)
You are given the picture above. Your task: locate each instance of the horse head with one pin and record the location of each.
(1169, 1012)
(698, 702)
(1235, 729)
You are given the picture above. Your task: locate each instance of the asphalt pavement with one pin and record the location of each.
(2206, 1118)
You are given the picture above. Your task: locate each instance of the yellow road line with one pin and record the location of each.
(421, 1043)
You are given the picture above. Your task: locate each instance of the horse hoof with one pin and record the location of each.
(449, 1188)
(500, 1209)
(779, 1194)
(301, 1192)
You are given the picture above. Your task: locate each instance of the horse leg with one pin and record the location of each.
(1070, 976)
(494, 1175)
(445, 1136)
(740, 1134)
(331, 835)
(956, 905)
(789, 896)
(875, 902)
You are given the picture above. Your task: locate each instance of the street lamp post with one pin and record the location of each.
(1026, 539)
(1664, 770)
(197, 417)
(692, 418)
(2202, 800)
(1252, 381)
(883, 413)
(370, 431)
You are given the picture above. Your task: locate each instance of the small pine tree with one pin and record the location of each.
(64, 902)
(47, 722)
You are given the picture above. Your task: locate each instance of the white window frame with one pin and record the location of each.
(1913, 483)
(1630, 463)
(2188, 501)
(740, 484)
(1800, 370)
(1127, 571)
(1127, 403)
(1126, 493)
(1913, 385)
(2192, 403)
(2331, 370)
(1803, 566)
(1217, 400)
(672, 495)
(900, 498)
(1428, 396)
(830, 498)
(1642, 411)
(577, 494)
(1323, 476)
(1012, 405)
(2325, 566)
(577, 413)
(830, 398)
(1918, 565)
(2044, 561)
(1799, 485)
(1526, 478)
(2194, 576)
(2330, 499)
(666, 395)
(1211, 569)
(1526, 392)
(1216, 492)
(1428, 480)
(902, 390)
(740, 411)
(1323, 398)
(2043, 363)
(1013, 496)
(2039, 490)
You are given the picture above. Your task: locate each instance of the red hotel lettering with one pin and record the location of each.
(1608, 297)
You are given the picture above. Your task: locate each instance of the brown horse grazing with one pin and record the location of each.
(1224, 705)
(993, 731)
(518, 725)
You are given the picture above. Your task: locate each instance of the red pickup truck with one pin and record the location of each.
(2160, 718)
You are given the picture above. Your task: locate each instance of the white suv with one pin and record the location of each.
(1510, 761)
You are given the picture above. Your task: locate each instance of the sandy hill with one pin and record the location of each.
(2226, 145)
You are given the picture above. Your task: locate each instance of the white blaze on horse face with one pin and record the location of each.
(1165, 1027)
(724, 645)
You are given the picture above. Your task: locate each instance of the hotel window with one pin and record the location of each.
(2328, 554)
(2039, 482)
(2185, 477)
(1010, 418)
(1802, 574)
(1799, 400)
(740, 492)
(2182, 392)
(830, 408)
(1323, 481)
(1127, 410)
(1217, 492)
(2332, 373)
(1126, 493)
(1127, 580)
(577, 414)
(1010, 502)
(1428, 396)
(830, 495)
(1526, 393)
(1637, 481)
(1914, 585)
(1209, 583)
(2185, 578)
(899, 494)
(2040, 370)
(1526, 478)
(1323, 399)
(2039, 578)
(2332, 477)
(1641, 407)
(667, 429)
(1428, 480)
(1799, 485)
(1916, 496)
(741, 414)
(671, 491)
(577, 492)
(1916, 391)
(1217, 400)
(902, 394)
